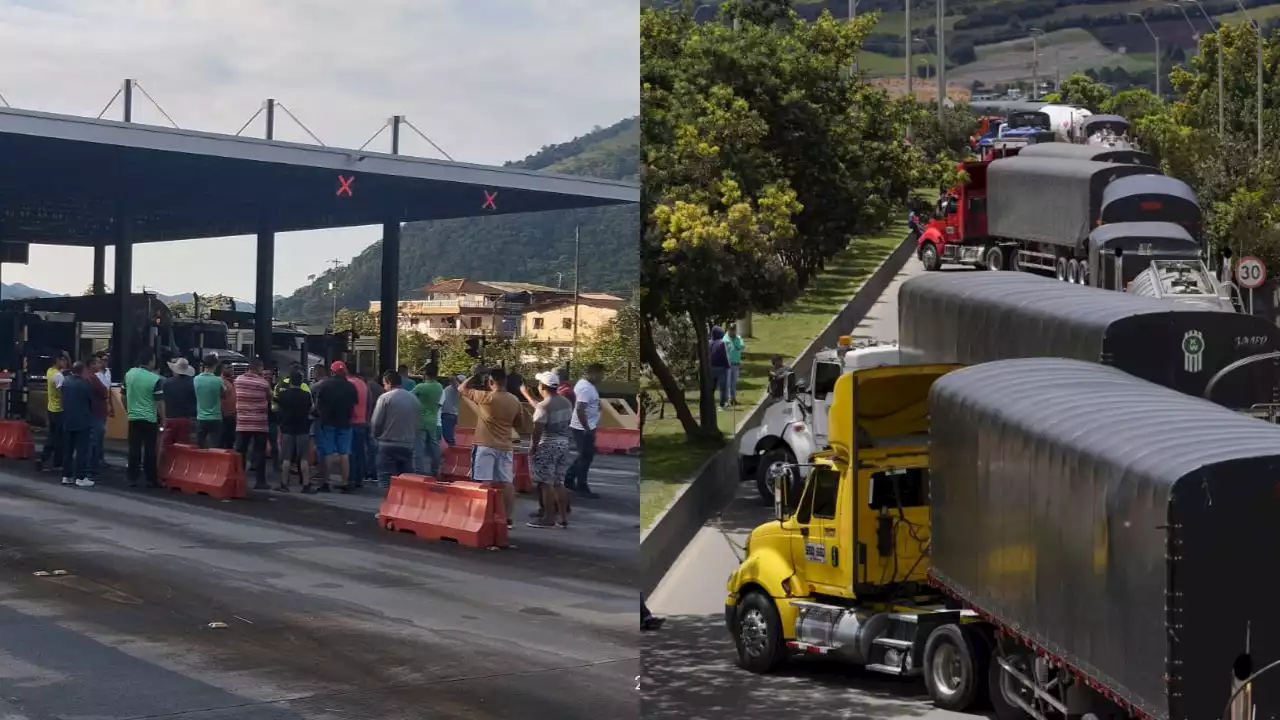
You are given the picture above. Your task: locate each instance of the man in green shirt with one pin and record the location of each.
(427, 449)
(143, 398)
(733, 346)
(209, 389)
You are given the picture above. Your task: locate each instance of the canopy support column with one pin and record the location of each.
(263, 296)
(99, 269)
(125, 346)
(388, 319)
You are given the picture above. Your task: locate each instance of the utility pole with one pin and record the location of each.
(1035, 63)
(942, 67)
(910, 40)
(1156, 39)
(853, 13)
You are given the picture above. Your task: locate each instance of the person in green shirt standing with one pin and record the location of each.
(427, 449)
(733, 345)
(209, 389)
(143, 398)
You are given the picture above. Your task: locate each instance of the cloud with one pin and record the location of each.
(488, 80)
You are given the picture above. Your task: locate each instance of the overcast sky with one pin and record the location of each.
(488, 80)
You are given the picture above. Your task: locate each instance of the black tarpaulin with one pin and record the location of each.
(1048, 199)
(1097, 123)
(975, 317)
(1151, 198)
(1116, 524)
(1099, 153)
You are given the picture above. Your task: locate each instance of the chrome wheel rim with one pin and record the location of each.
(754, 632)
(948, 673)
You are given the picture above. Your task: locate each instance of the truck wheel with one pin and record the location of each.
(764, 471)
(757, 632)
(1060, 269)
(1073, 271)
(929, 257)
(993, 258)
(951, 670)
(1002, 687)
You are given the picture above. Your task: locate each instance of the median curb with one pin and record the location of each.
(716, 482)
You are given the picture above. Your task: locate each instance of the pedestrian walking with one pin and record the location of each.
(359, 431)
(102, 409)
(733, 347)
(397, 419)
(294, 402)
(719, 365)
(429, 392)
(492, 459)
(143, 393)
(586, 416)
(335, 400)
(550, 452)
(209, 391)
(565, 389)
(54, 377)
(449, 398)
(406, 382)
(228, 434)
(77, 426)
(103, 374)
(253, 400)
(320, 373)
(179, 403)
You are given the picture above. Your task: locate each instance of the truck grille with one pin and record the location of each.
(238, 369)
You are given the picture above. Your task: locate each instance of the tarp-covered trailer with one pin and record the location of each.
(1097, 153)
(1139, 243)
(973, 318)
(1110, 525)
(1143, 198)
(1048, 200)
(1102, 123)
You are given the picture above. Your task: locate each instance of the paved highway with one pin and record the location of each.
(316, 612)
(689, 667)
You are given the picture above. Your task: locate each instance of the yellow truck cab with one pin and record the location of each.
(842, 570)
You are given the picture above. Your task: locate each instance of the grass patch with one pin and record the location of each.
(878, 65)
(668, 459)
(894, 23)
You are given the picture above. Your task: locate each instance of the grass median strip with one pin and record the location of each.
(669, 460)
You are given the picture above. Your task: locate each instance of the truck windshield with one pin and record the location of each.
(825, 375)
(280, 341)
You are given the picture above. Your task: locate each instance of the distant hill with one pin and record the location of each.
(535, 248)
(988, 41)
(18, 291)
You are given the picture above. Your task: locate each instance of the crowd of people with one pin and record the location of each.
(364, 429)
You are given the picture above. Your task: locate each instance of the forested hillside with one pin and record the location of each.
(536, 248)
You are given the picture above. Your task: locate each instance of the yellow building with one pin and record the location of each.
(551, 322)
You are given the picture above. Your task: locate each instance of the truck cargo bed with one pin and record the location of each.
(1116, 525)
(971, 318)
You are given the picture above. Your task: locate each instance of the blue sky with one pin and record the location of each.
(488, 80)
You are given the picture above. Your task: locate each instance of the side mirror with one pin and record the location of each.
(791, 385)
(781, 485)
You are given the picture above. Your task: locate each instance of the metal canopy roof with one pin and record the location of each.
(67, 180)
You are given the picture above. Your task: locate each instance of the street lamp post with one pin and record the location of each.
(1257, 29)
(908, 37)
(853, 13)
(1222, 111)
(942, 66)
(1035, 61)
(1156, 39)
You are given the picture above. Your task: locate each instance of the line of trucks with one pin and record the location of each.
(1044, 501)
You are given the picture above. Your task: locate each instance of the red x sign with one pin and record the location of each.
(490, 200)
(344, 185)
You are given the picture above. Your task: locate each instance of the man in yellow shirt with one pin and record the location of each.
(53, 380)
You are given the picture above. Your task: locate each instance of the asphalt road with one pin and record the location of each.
(689, 667)
(326, 616)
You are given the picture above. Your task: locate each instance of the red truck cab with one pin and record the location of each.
(958, 232)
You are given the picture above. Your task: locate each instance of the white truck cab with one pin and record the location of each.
(794, 425)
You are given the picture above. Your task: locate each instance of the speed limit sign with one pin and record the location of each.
(1251, 273)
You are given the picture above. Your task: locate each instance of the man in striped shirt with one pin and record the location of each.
(253, 399)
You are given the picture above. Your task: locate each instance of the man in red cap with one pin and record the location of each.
(335, 402)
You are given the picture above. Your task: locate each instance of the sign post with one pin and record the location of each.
(1251, 273)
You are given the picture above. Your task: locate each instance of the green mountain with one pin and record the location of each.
(534, 248)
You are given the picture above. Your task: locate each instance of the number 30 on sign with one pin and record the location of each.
(1251, 273)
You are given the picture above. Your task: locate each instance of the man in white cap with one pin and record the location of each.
(179, 404)
(550, 452)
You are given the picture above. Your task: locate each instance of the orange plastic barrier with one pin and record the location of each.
(216, 473)
(464, 436)
(464, 512)
(617, 441)
(15, 440)
(455, 464)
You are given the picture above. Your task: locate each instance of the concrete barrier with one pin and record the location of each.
(716, 482)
